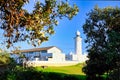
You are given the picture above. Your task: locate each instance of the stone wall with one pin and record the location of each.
(51, 63)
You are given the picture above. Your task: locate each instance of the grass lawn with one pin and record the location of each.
(73, 70)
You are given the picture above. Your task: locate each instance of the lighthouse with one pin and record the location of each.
(77, 55)
(78, 45)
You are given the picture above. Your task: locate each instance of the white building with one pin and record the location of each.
(51, 53)
(53, 56)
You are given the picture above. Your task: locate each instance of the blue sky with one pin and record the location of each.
(65, 31)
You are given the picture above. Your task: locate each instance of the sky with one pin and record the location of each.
(66, 29)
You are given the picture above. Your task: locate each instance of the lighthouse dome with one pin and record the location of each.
(78, 33)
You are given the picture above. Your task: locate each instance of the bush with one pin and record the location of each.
(115, 75)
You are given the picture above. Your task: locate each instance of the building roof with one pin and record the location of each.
(36, 49)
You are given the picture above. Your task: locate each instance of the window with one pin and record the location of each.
(43, 51)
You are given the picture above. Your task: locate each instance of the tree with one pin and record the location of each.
(4, 58)
(102, 28)
(6, 62)
(35, 27)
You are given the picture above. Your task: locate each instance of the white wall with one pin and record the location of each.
(51, 63)
(57, 55)
(74, 57)
(54, 50)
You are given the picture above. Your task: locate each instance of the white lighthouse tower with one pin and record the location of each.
(78, 46)
(78, 56)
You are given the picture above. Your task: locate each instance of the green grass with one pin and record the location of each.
(73, 70)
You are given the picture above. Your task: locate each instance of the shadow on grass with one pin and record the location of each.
(62, 76)
(39, 75)
(49, 76)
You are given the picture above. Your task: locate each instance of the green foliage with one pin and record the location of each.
(102, 28)
(6, 62)
(4, 58)
(114, 75)
(35, 27)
